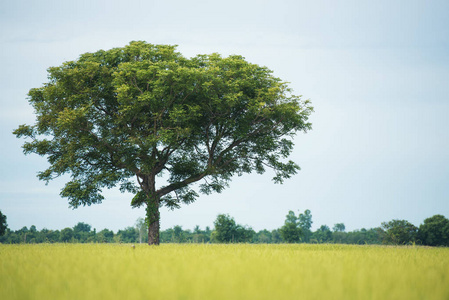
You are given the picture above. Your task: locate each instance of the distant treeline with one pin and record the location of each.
(296, 229)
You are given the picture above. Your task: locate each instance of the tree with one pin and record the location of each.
(225, 229)
(399, 232)
(245, 234)
(105, 236)
(434, 231)
(82, 227)
(82, 232)
(3, 224)
(178, 234)
(66, 235)
(276, 236)
(339, 227)
(127, 235)
(323, 234)
(338, 234)
(126, 115)
(228, 231)
(263, 236)
(291, 232)
(200, 236)
(305, 223)
(167, 235)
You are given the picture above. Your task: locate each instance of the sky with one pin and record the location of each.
(376, 72)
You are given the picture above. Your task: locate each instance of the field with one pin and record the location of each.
(235, 271)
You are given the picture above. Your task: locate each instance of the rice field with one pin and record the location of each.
(212, 271)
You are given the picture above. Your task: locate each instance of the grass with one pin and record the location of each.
(198, 271)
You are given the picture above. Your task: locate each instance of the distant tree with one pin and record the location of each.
(200, 236)
(245, 234)
(196, 233)
(32, 235)
(82, 227)
(208, 232)
(305, 223)
(82, 232)
(228, 231)
(105, 236)
(291, 232)
(263, 236)
(49, 236)
(66, 235)
(225, 229)
(178, 234)
(399, 232)
(339, 227)
(323, 234)
(128, 235)
(3, 224)
(340, 237)
(338, 234)
(167, 236)
(276, 236)
(23, 233)
(434, 231)
(129, 114)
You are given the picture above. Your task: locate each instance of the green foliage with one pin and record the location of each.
(399, 232)
(276, 236)
(66, 235)
(359, 237)
(82, 227)
(82, 233)
(129, 113)
(434, 231)
(105, 236)
(322, 235)
(305, 223)
(3, 224)
(201, 236)
(339, 227)
(178, 235)
(263, 236)
(291, 232)
(228, 231)
(127, 235)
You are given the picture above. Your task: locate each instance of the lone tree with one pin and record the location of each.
(126, 115)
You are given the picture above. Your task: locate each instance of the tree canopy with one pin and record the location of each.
(399, 232)
(124, 116)
(227, 230)
(434, 231)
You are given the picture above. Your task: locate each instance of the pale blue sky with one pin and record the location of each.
(377, 73)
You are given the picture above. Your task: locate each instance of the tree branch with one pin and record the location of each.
(177, 185)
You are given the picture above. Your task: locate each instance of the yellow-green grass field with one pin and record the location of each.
(235, 271)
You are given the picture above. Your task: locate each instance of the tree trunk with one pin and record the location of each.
(153, 217)
(148, 185)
